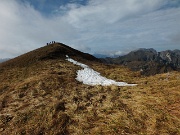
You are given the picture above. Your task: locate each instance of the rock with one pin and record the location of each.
(149, 61)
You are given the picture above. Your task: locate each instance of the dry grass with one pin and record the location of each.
(45, 98)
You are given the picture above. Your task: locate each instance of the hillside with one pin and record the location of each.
(52, 51)
(39, 95)
(149, 61)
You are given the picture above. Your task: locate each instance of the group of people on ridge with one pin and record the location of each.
(53, 42)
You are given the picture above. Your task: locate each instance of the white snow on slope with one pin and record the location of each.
(90, 77)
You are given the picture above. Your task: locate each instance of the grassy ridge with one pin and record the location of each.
(44, 98)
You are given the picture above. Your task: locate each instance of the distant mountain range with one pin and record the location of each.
(98, 55)
(3, 60)
(149, 61)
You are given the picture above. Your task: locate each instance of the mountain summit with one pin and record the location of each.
(51, 51)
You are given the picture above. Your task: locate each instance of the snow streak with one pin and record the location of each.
(90, 77)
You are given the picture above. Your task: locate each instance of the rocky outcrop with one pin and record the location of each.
(149, 61)
(170, 57)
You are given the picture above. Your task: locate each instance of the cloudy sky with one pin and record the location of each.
(93, 26)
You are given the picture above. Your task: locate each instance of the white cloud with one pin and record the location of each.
(109, 11)
(103, 25)
(175, 38)
(23, 28)
(132, 23)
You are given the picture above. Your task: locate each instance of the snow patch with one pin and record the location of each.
(90, 77)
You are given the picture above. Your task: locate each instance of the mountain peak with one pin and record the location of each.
(51, 51)
(148, 50)
(149, 61)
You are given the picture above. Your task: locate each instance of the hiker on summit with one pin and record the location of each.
(53, 42)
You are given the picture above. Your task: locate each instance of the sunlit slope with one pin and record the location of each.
(43, 97)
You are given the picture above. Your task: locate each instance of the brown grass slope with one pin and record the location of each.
(52, 51)
(39, 95)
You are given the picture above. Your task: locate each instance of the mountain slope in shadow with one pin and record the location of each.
(52, 51)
